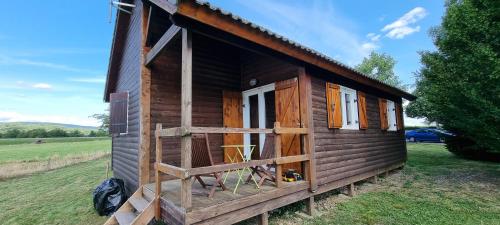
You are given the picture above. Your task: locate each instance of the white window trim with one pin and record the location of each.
(259, 91)
(391, 115)
(354, 108)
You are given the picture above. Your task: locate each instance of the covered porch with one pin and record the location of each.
(235, 95)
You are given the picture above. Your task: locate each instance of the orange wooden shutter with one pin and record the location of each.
(363, 119)
(384, 123)
(288, 114)
(399, 116)
(232, 117)
(333, 105)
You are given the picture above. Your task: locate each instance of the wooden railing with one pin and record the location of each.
(185, 174)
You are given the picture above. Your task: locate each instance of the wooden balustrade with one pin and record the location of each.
(185, 173)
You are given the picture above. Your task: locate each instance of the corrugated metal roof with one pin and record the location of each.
(282, 38)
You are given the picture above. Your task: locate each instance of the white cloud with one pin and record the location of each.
(98, 80)
(317, 25)
(42, 86)
(373, 37)
(9, 116)
(9, 61)
(401, 27)
(368, 46)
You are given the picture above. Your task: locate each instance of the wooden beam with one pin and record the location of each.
(225, 167)
(277, 154)
(310, 206)
(263, 219)
(145, 109)
(172, 170)
(290, 130)
(306, 116)
(160, 45)
(292, 159)
(224, 130)
(351, 190)
(165, 5)
(186, 113)
(174, 132)
(157, 172)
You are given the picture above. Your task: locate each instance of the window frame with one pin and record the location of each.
(127, 102)
(391, 116)
(353, 109)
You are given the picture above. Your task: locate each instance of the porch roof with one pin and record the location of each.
(226, 21)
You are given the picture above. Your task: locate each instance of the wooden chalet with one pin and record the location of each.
(178, 69)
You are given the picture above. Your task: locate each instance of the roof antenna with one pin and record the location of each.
(118, 5)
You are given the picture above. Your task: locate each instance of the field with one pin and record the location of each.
(15, 141)
(435, 187)
(25, 157)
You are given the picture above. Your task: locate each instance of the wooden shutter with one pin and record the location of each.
(333, 105)
(384, 123)
(363, 119)
(232, 117)
(118, 113)
(399, 116)
(288, 114)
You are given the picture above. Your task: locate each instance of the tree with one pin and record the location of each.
(57, 132)
(104, 119)
(458, 85)
(381, 67)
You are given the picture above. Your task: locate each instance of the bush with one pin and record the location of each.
(466, 148)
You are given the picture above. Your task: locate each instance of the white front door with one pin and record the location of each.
(259, 92)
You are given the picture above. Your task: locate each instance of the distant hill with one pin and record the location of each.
(48, 126)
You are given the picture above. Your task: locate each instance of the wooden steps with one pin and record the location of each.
(137, 210)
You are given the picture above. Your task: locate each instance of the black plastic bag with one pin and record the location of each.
(109, 196)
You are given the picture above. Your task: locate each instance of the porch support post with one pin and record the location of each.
(310, 206)
(277, 154)
(157, 172)
(145, 118)
(186, 113)
(305, 93)
(262, 219)
(351, 190)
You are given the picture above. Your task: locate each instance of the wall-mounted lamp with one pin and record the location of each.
(253, 82)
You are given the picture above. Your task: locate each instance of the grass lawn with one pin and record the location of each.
(40, 152)
(62, 196)
(435, 187)
(16, 141)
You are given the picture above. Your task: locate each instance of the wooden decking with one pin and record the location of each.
(223, 202)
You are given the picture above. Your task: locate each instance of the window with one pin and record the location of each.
(349, 108)
(391, 116)
(118, 113)
(342, 107)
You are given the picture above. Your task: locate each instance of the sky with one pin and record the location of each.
(54, 54)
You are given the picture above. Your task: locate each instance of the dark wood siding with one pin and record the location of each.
(345, 153)
(216, 67)
(126, 147)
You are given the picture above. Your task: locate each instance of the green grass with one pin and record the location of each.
(41, 152)
(16, 141)
(62, 196)
(435, 187)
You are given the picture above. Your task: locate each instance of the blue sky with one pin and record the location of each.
(54, 54)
